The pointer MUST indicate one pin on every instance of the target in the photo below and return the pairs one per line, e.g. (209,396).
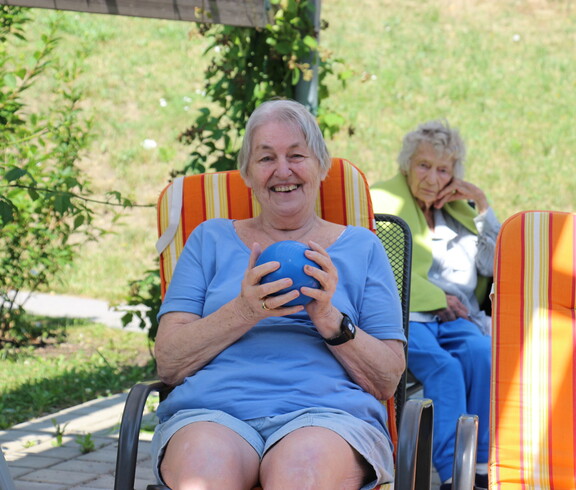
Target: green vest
(394,197)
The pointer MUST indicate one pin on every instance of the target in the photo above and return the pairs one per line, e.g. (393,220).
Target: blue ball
(292,260)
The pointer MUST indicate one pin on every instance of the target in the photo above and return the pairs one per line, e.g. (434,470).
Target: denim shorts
(262,433)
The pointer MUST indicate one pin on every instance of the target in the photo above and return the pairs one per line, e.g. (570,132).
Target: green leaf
(333,119)
(295,76)
(345,75)
(14,174)
(6,213)
(78,221)
(310,42)
(10,80)
(33,194)
(61,203)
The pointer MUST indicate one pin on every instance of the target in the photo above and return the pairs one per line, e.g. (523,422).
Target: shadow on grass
(34,399)
(32,331)
(59,372)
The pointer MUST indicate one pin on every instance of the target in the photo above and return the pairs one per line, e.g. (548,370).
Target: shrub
(249,66)
(41,221)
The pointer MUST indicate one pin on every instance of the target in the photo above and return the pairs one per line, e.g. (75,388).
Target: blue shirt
(281,364)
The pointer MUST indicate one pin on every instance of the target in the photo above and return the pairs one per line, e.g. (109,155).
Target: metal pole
(306,92)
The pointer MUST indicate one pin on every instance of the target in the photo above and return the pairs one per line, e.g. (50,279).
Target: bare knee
(206,455)
(314,458)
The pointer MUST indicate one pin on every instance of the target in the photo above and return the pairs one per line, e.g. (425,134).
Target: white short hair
(291,112)
(440,135)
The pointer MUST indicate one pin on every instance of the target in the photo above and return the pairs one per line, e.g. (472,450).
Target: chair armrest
(464,469)
(129,433)
(414,458)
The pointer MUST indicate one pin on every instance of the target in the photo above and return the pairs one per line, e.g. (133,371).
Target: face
(282,171)
(429,172)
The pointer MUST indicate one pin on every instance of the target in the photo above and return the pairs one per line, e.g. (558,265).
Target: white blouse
(458,256)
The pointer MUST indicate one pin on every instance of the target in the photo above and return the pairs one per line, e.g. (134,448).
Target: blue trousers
(452,360)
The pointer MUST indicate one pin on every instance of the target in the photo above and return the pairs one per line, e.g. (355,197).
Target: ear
(247,180)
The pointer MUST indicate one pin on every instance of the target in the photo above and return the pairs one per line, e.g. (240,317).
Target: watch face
(347,332)
(348,327)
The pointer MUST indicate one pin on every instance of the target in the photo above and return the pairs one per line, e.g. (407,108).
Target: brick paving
(35,462)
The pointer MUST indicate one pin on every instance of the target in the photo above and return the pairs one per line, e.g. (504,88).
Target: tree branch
(127,203)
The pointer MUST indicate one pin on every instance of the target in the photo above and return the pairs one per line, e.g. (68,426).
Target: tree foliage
(249,66)
(43,217)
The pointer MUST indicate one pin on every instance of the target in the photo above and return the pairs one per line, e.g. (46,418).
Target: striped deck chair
(533,396)
(188,201)
(224,195)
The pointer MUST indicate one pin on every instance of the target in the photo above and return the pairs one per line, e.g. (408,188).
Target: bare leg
(313,458)
(206,455)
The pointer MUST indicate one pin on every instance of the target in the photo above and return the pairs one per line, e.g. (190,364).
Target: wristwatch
(347,332)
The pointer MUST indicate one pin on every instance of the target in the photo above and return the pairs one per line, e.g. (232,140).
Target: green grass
(502,71)
(78,362)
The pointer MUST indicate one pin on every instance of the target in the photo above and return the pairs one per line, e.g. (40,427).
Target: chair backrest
(395,235)
(533,392)
(344,198)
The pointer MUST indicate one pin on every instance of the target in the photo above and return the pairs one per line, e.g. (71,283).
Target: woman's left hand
(321,311)
(459,189)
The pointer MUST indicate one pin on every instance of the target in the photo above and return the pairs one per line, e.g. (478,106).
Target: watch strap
(347,332)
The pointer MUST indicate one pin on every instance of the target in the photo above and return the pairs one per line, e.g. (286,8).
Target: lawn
(502,72)
(73,362)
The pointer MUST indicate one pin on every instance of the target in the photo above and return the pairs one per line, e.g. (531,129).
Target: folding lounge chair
(533,391)
(344,199)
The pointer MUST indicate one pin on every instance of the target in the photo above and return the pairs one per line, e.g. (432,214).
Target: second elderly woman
(449,347)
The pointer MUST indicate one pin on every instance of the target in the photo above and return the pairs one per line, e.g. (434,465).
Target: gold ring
(264,307)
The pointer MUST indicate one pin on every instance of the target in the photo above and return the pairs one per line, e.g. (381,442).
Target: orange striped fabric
(533,392)
(344,198)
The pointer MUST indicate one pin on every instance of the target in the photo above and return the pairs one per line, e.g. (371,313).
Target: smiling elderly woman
(284,396)
(448,347)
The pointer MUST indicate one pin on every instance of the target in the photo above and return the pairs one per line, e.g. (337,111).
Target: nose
(283,168)
(432,177)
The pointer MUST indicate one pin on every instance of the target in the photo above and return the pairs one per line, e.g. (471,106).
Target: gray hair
(440,135)
(291,112)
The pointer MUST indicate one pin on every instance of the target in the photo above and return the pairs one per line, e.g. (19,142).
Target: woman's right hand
(255,301)
(455,309)
(458,189)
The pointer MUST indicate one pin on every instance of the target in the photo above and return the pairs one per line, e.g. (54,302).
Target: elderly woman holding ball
(265,393)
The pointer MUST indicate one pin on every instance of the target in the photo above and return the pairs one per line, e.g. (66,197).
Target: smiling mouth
(284,188)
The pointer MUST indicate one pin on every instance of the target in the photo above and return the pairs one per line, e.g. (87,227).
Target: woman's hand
(186,342)
(254,301)
(455,309)
(459,189)
(322,312)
